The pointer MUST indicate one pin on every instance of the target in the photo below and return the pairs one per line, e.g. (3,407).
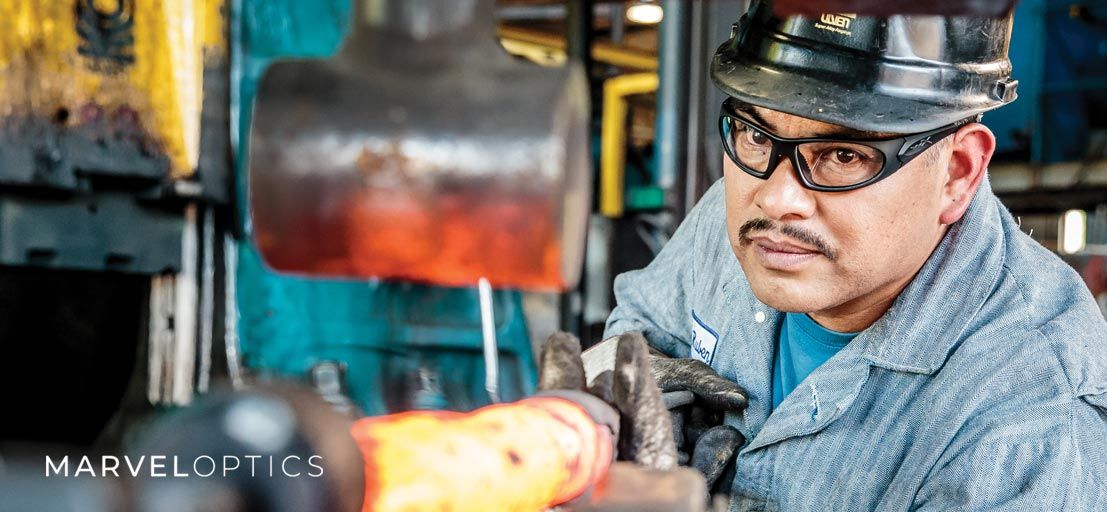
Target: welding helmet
(900,74)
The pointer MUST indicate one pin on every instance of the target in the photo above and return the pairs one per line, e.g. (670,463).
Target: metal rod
(185,318)
(578,32)
(491,350)
(698,50)
(720,16)
(160,339)
(207,298)
(230,316)
(578,35)
(672,107)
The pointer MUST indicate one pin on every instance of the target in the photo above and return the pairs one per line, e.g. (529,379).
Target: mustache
(797,233)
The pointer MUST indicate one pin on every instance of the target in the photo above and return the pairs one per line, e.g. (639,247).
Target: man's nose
(782,196)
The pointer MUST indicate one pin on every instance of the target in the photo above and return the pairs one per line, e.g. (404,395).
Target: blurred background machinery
(113,173)
(132,279)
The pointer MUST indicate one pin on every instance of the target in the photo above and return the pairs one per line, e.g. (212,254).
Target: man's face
(833,253)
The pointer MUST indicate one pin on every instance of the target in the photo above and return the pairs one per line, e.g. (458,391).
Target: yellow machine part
(145,56)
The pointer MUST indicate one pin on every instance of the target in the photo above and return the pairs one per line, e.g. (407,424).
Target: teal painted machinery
(398,346)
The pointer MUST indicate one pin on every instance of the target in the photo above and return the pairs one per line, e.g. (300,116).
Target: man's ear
(972,148)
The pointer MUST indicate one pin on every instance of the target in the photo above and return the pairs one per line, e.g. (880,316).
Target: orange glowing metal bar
(523,456)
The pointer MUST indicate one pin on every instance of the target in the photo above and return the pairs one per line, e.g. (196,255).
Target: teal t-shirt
(802,346)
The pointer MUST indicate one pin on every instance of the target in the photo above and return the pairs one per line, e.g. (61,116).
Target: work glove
(698,399)
(561,374)
(644,433)
(623,376)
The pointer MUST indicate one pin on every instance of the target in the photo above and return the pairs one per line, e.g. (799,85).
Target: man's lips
(782,256)
(771,245)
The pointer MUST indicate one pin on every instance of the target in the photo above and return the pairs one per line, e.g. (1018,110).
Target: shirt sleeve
(1032,465)
(655,300)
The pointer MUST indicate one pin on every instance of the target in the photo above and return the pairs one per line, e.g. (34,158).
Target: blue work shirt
(983,387)
(802,346)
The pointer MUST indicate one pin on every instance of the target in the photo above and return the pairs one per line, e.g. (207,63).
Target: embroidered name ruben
(704,340)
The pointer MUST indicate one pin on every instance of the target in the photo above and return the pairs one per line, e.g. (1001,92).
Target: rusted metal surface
(104,86)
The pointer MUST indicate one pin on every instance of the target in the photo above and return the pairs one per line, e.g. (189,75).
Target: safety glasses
(823,164)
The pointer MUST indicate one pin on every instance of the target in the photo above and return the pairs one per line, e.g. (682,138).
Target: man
(904,345)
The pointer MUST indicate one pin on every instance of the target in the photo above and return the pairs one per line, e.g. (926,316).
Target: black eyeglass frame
(897,151)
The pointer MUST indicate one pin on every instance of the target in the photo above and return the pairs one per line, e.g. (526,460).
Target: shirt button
(759,317)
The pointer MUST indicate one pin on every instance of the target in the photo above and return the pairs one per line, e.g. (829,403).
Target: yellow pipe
(613,136)
(602,52)
(616,56)
(535,52)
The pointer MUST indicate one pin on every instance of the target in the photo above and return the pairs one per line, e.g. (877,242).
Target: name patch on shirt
(704,340)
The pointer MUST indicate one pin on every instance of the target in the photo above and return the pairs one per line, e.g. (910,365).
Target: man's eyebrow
(839,132)
(748,109)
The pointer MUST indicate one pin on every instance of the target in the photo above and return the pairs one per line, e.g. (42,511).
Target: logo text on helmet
(836,22)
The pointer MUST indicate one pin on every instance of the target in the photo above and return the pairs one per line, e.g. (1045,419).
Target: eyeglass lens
(825,163)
